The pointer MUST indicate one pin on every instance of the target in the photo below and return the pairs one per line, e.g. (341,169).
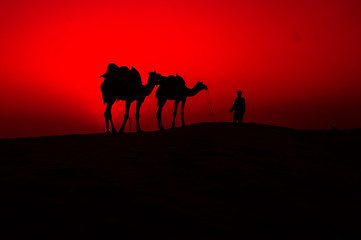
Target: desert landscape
(202,181)
(86,87)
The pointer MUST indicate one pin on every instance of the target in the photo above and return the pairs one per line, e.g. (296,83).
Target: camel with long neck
(125,84)
(178,94)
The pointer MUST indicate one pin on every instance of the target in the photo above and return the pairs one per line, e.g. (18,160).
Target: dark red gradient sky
(298,63)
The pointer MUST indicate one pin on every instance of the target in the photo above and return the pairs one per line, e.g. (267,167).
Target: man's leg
(235,119)
(240,120)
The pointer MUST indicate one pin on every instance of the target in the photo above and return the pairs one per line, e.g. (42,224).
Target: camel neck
(148,88)
(193,91)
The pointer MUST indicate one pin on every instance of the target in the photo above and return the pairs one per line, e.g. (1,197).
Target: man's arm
(233,107)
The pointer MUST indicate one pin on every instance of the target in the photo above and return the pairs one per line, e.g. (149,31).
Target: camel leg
(159,113)
(126,115)
(176,102)
(139,104)
(108,117)
(182,111)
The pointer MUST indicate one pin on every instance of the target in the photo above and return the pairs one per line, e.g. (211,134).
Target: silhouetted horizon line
(247,124)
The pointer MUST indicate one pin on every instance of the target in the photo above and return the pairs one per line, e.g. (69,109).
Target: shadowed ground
(204,181)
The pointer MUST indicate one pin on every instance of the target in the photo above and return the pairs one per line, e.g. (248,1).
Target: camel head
(154,78)
(201,86)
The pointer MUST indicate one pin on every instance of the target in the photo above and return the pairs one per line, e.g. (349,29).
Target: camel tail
(104,100)
(104,96)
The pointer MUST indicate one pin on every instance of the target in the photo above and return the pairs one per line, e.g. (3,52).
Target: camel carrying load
(118,80)
(174,88)
(122,83)
(172,81)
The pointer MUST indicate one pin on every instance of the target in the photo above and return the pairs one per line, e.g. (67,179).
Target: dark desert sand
(204,181)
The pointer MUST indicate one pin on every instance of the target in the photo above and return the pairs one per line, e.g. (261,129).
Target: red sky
(298,63)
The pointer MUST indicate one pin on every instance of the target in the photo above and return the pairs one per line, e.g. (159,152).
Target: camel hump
(130,76)
(124,69)
(112,68)
(123,73)
(121,79)
(112,72)
(135,77)
(115,71)
(172,81)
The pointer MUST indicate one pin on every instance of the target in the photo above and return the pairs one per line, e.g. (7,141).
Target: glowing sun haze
(298,63)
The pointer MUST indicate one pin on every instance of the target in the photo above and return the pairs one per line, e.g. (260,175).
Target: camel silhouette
(122,83)
(174,88)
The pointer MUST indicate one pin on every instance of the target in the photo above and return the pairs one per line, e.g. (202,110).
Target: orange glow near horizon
(297,63)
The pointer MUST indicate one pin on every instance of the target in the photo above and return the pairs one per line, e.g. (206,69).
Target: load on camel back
(172,81)
(118,81)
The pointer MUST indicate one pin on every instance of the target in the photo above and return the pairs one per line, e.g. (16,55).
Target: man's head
(239,93)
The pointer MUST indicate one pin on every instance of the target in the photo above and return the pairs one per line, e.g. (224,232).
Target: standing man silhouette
(239,107)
